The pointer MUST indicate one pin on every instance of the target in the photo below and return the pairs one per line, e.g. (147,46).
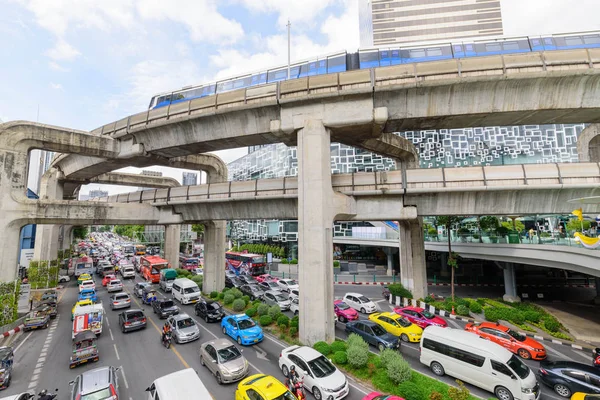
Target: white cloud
(57,67)
(56,86)
(63,51)
(296,11)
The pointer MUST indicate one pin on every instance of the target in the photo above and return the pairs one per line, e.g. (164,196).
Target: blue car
(88,294)
(242,328)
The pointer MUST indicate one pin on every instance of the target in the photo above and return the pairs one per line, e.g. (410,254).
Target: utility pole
(289,26)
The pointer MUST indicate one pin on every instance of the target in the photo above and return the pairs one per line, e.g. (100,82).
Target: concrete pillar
(389,252)
(172,239)
(413,271)
(214,256)
(445,272)
(510,284)
(67,237)
(46,240)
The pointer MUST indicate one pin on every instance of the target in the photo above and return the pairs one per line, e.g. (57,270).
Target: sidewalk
(582,321)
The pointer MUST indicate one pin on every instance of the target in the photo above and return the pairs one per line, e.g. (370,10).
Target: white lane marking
(124,379)
(32,385)
(111,335)
(43,354)
(23,342)
(558,353)
(206,329)
(42,359)
(37,370)
(586,357)
(379,301)
(116,352)
(107,323)
(35,377)
(454,324)
(359,389)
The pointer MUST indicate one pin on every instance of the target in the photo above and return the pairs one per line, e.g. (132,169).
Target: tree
(575,225)
(489,223)
(448,221)
(199,229)
(129,230)
(519,226)
(80,232)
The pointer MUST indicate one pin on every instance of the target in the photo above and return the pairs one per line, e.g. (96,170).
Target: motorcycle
(297,388)
(596,357)
(44,395)
(166,340)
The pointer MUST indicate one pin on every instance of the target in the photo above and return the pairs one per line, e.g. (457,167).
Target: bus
(129,250)
(245,263)
(151,266)
(84,265)
(188,262)
(140,250)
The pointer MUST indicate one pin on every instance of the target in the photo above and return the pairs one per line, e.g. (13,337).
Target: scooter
(44,395)
(297,389)
(166,340)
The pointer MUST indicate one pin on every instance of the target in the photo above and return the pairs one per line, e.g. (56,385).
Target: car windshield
(246,324)
(292,282)
(403,322)
(280,297)
(321,367)
(135,315)
(516,335)
(287,395)
(363,299)
(427,314)
(185,323)
(121,297)
(191,290)
(228,354)
(378,331)
(343,306)
(99,395)
(518,367)
(167,304)
(214,306)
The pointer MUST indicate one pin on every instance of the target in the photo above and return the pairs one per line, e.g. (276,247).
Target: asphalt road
(41,357)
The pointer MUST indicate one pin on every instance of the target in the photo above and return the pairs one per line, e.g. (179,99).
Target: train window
(277,75)
(312,68)
(573,41)
(458,48)
(434,52)
(396,59)
(416,53)
(368,59)
(242,82)
(296,71)
(259,79)
(591,39)
(510,46)
(536,42)
(336,64)
(493,47)
(384,57)
(321,67)
(469,47)
(548,41)
(224,86)
(208,90)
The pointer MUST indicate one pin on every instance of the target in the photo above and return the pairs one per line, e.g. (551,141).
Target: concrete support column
(510,283)
(46,240)
(445,272)
(67,237)
(214,256)
(413,271)
(172,239)
(390,261)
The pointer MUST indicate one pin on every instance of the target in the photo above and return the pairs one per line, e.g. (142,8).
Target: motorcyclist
(166,330)
(596,357)
(292,378)
(44,395)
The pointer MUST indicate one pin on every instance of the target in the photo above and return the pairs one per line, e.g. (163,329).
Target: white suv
(319,375)
(360,303)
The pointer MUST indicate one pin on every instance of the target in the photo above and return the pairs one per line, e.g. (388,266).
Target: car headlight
(539,350)
(413,334)
(527,390)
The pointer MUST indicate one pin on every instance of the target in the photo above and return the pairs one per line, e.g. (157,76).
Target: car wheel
(285,371)
(524,354)
(503,393)
(239,340)
(202,361)
(437,369)
(562,390)
(224,331)
(317,393)
(362,310)
(404,337)
(206,318)
(123,328)
(219,379)
(197,313)
(296,312)
(381,347)
(343,319)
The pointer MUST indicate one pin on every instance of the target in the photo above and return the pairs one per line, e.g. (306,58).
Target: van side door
(502,375)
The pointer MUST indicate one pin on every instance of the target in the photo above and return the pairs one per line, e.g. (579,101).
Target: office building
(189,178)
(388,22)
(98,193)
(149,173)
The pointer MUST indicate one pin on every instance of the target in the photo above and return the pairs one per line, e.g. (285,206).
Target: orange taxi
(515,342)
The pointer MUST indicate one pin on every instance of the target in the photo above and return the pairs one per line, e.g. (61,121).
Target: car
(114,285)
(295,306)
(223,360)
(164,308)
(276,298)
(373,334)
(287,284)
(266,278)
(319,375)
(138,288)
(184,328)
(120,300)
(263,387)
(360,303)
(233,282)
(107,278)
(132,320)
(80,303)
(398,326)
(83,277)
(525,347)
(567,377)
(247,279)
(98,383)
(88,294)
(230,274)
(197,271)
(242,329)
(64,278)
(380,396)
(210,310)
(294,293)
(127,272)
(253,291)
(420,316)
(269,285)
(344,312)
(87,285)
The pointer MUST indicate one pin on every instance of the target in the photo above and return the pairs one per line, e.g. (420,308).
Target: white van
(184,384)
(465,356)
(185,291)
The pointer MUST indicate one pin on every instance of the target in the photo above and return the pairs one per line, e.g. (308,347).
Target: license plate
(342,394)
(193,301)
(83,361)
(34,327)
(255,340)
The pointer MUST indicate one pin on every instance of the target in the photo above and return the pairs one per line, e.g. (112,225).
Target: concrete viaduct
(359,108)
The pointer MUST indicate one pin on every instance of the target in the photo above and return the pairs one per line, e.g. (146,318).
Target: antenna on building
(38,114)
(289,26)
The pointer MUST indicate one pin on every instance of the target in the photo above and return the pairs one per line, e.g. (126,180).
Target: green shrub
(265,320)
(532,316)
(294,261)
(410,391)
(274,312)
(481,302)
(225,290)
(437,396)
(339,357)
(257,302)
(294,330)
(182,273)
(285,261)
(398,290)
(388,355)
(283,320)
(338,345)
(294,324)
(398,370)
(263,309)
(228,299)
(492,314)
(354,340)
(221,296)
(237,293)
(322,347)
(475,307)
(462,310)
(428,299)
(517,317)
(552,325)
(246,299)
(336,264)
(459,393)
(251,312)
(282,328)
(214,295)
(358,351)
(239,305)
(198,279)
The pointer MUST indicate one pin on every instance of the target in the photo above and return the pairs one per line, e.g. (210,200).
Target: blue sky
(85,63)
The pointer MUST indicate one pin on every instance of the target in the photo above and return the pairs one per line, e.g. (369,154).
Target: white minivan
(184,384)
(185,291)
(470,358)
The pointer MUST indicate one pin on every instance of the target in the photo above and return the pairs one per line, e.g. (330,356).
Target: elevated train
(372,58)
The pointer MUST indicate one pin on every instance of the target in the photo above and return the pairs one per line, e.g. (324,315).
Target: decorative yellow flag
(578,213)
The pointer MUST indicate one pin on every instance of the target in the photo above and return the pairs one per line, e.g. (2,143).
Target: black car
(247,279)
(164,308)
(373,334)
(210,310)
(131,320)
(233,282)
(567,377)
(253,291)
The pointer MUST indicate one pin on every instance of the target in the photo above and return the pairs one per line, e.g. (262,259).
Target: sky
(84,63)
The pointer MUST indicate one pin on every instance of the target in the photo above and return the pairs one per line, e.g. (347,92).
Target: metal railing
(553,239)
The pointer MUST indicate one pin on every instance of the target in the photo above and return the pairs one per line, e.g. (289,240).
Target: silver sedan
(120,300)
(223,360)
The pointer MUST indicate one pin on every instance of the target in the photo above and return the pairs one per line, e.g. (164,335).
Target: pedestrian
(531,234)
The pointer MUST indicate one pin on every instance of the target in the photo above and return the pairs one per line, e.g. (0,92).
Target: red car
(379,396)
(108,278)
(265,277)
(513,341)
(420,317)
(344,312)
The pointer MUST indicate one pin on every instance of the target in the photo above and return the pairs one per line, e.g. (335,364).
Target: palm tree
(448,221)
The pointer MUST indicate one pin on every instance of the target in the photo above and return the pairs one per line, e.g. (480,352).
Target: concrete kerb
(13,327)
(405,302)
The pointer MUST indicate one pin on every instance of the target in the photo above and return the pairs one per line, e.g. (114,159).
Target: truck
(88,318)
(151,266)
(167,276)
(38,318)
(84,265)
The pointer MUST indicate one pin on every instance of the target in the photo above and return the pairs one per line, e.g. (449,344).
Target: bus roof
(244,254)
(155,260)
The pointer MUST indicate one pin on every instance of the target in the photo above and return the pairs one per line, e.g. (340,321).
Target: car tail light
(144,320)
(543,371)
(113,392)
(78,397)
(115,302)
(127,323)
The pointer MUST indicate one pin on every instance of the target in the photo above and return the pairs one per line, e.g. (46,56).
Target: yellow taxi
(585,396)
(261,386)
(83,277)
(397,325)
(86,302)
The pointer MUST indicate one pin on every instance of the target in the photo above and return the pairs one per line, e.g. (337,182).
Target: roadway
(41,357)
